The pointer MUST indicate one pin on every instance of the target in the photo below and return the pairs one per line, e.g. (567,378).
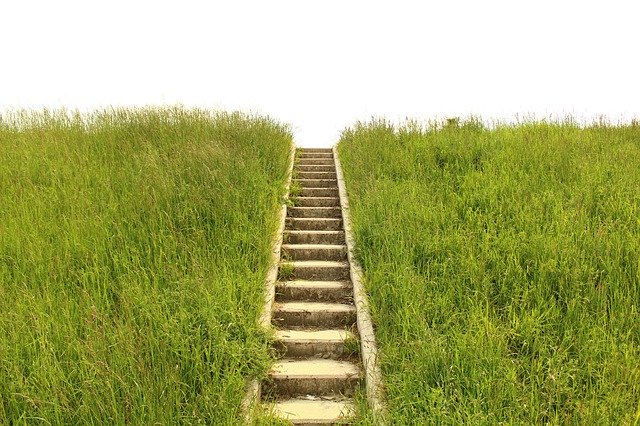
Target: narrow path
(315,318)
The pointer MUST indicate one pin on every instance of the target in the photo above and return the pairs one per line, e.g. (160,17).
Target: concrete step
(313,237)
(290,377)
(314,291)
(314,149)
(317,201)
(315,175)
(317,183)
(318,192)
(309,410)
(314,167)
(314,270)
(313,224)
(314,212)
(326,344)
(315,161)
(313,314)
(314,252)
(315,154)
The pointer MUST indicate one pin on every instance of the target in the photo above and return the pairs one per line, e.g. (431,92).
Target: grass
(503,268)
(133,250)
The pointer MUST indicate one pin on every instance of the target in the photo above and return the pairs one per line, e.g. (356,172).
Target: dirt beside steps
(316,376)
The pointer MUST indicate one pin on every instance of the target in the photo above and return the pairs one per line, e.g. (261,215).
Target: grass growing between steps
(133,250)
(503,269)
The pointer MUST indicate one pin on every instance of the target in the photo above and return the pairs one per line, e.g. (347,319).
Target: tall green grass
(133,250)
(503,269)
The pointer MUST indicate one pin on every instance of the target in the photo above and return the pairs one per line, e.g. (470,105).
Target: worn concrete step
(317,201)
(316,175)
(318,192)
(314,167)
(313,237)
(310,410)
(315,154)
(314,212)
(314,270)
(327,344)
(317,183)
(314,149)
(314,252)
(313,314)
(291,377)
(315,161)
(313,224)
(314,291)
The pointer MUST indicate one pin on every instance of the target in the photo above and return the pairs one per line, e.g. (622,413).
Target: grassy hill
(503,268)
(133,251)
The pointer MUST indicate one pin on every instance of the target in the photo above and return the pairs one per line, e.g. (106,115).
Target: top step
(315,149)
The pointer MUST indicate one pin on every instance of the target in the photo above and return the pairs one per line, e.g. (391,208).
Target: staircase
(314,380)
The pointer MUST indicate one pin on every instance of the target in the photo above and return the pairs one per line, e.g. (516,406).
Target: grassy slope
(503,269)
(133,250)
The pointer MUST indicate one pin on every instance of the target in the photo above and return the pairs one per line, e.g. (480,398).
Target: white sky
(320,66)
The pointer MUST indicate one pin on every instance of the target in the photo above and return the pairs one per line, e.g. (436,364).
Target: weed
(295,190)
(352,347)
(285,271)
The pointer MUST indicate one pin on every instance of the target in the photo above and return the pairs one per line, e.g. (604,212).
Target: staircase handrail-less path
(317,305)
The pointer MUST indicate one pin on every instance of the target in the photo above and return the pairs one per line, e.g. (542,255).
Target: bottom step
(314,410)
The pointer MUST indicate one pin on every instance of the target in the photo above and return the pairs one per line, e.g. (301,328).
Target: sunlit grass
(133,250)
(503,269)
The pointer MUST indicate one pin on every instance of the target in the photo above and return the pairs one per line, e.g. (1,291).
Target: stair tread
(316,207)
(304,198)
(313,246)
(314,410)
(313,368)
(313,307)
(314,212)
(329,335)
(312,283)
(322,219)
(312,231)
(315,263)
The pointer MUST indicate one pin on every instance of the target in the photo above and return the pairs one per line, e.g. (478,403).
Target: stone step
(314,252)
(315,161)
(291,377)
(314,212)
(315,154)
(314,167)
(315,175)
(317,201)
(317,183)
(313,237)
(314,270)
(326,344)
(314,149)
(313,314)
(314,291)
(318,192)
(307,411)
(313,224)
